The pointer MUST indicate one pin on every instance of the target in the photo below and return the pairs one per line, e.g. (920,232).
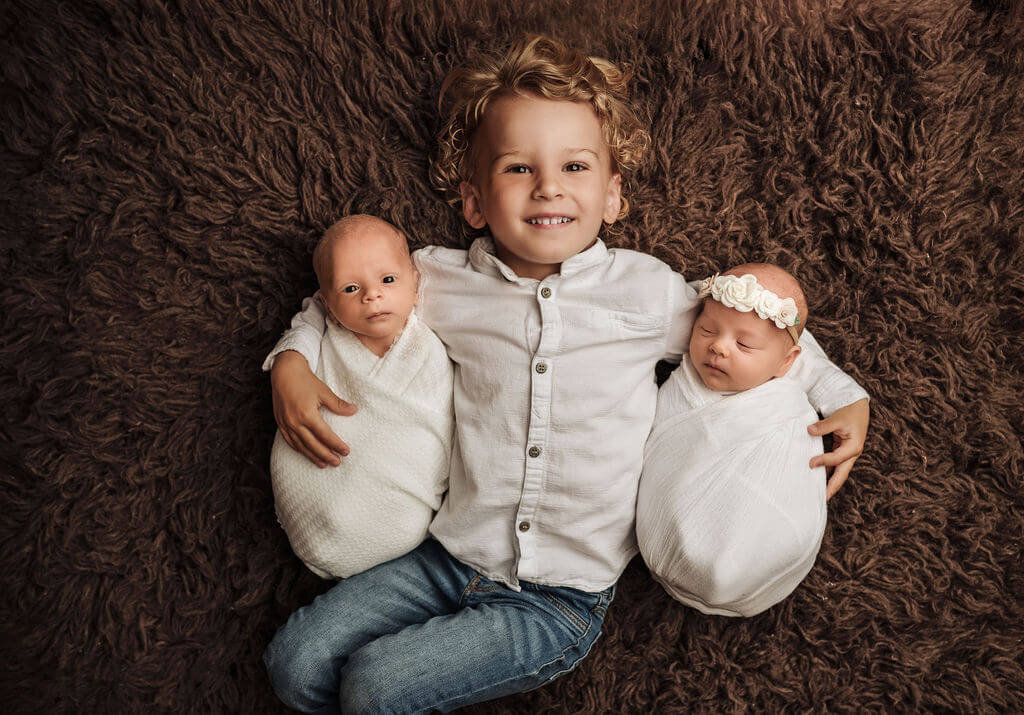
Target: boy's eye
(350,289)
(576,166)
(517,169)
(388,279)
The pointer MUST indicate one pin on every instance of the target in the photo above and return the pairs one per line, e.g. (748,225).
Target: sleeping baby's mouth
(715,368)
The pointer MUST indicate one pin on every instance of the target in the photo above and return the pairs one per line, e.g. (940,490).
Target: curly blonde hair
(534,65)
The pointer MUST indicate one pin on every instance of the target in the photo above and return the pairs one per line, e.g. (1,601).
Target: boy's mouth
(549,220)
(378,316)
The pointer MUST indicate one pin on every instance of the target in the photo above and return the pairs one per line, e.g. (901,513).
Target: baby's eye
(576,166)
(388,279)
(706,331)
(745,346)
(350,289)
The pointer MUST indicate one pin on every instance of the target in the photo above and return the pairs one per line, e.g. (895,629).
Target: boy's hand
(849,428)
(298,397)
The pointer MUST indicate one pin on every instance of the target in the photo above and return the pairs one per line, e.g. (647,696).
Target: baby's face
(734,351)
(371,286)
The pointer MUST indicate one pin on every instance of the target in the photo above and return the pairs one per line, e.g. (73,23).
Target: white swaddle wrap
(378,503)
(729,516)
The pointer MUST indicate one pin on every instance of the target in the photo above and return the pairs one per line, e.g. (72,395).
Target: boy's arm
(682,311)
(841,400)
(299,394)
(304,336)
(828,388)
(849,429)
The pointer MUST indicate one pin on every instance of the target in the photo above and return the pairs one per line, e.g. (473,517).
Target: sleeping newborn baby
(729,515)
(377,504)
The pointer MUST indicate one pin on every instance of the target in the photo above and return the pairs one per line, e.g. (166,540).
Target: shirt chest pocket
(625,325)
(581,329)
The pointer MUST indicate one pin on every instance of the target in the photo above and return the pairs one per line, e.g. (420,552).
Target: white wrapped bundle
(378,503)
(729,516)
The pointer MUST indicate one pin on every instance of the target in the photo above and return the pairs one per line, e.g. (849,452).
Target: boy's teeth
(549,221)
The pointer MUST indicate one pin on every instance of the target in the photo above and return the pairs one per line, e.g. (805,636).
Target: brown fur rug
(167,166)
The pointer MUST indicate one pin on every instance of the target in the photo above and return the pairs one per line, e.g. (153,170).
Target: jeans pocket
(579,610)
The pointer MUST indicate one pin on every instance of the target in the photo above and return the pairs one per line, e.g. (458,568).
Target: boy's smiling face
(542,181)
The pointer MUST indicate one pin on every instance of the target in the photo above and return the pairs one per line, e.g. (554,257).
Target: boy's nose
(548,186)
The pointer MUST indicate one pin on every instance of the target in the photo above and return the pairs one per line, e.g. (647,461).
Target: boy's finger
(326,437)
(337,405)
(315,450)
(843,451)
(838,477)
(287,439)
(292,441)
(829,459)
(821,427)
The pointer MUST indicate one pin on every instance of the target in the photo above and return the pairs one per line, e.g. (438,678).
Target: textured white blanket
(729,516)
(378,503)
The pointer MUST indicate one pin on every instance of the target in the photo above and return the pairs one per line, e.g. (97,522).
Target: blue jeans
(426,632)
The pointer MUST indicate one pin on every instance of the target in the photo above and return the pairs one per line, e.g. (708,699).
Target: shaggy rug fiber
(167,166)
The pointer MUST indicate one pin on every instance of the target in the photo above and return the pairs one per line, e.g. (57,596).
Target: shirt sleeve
(682,311)
(828,388)
(308,327)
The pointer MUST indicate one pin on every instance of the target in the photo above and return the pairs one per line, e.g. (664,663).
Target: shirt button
(534,452)
(542,367)
(545,292)
(524,526)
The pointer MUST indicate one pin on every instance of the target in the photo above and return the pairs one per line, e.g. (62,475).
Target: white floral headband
(745,294)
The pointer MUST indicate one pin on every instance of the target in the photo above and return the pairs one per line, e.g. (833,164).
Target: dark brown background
(167,166)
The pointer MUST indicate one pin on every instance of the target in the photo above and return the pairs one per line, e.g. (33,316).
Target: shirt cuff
(832,395)
(289,342)
(304,336)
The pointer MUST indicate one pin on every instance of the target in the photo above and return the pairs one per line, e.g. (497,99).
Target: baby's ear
(787,362)
(471,209)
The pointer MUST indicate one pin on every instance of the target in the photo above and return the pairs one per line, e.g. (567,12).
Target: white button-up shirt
(554,399)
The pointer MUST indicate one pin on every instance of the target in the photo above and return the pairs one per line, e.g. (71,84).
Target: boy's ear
(416,295)
(471,209)
(613,200)
(788,361)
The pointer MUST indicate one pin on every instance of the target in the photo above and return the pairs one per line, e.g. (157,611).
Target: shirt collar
(482,257)
(585,259)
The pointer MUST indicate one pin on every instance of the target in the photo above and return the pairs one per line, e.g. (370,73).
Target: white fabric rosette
(741,294)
